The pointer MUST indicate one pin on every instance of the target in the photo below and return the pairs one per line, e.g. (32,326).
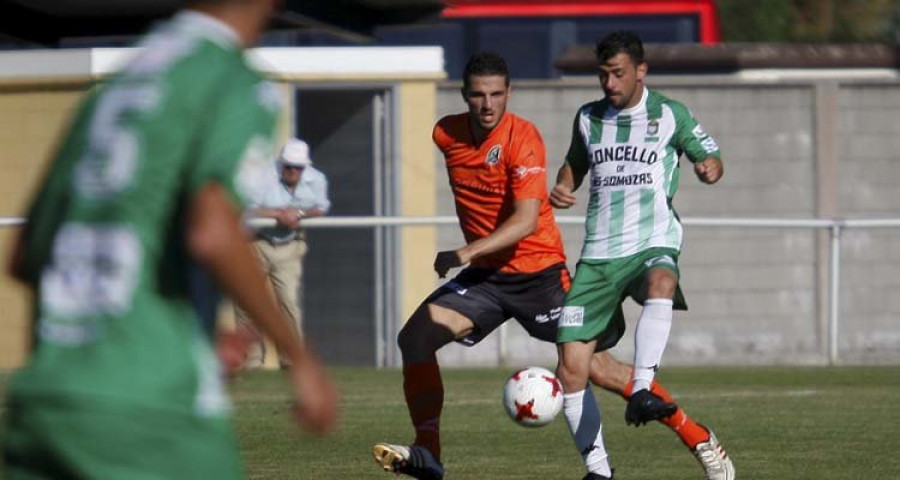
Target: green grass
(777,423)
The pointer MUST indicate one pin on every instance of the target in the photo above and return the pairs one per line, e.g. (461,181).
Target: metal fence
(835,229)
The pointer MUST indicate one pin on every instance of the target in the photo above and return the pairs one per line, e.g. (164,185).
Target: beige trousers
(283,265)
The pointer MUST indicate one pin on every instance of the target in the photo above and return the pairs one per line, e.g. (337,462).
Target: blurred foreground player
(123,381)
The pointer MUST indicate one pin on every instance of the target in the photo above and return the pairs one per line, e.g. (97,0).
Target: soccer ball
(533,397)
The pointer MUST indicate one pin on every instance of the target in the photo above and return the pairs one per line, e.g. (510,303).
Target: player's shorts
(488,298)
(62,438)
(593,307)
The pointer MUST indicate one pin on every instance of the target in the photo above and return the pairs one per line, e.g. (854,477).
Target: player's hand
(444,261)
(288,217)
(561,196)
(318,401)
(709,170)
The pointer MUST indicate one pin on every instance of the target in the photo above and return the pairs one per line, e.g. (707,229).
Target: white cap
(295,153)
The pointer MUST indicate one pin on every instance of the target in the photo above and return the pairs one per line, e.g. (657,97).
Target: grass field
(777,423)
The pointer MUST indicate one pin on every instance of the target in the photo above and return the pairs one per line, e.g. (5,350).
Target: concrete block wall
(756,296)
(868,173)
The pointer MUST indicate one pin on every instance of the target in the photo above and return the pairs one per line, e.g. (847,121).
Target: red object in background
(705,10)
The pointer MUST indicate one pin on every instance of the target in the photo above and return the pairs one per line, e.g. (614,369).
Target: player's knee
(409,339)
(571,373)
(421,337)
(661,284)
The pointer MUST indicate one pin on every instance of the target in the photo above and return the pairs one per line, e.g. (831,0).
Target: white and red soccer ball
(533,397)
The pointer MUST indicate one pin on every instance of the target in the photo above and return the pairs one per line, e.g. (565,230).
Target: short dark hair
(621,41)
(484,64)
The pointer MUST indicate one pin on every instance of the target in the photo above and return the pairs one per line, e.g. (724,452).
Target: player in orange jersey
(516,263)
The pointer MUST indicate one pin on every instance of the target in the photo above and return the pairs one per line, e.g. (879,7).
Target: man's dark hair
(484,64)
(618,42)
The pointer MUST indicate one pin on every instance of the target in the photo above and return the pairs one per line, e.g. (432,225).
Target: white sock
(650,338)
(583,418)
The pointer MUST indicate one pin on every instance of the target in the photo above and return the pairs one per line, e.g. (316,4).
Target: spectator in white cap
(302,192)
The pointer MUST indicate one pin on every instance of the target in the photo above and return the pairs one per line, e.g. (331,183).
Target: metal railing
(834,226)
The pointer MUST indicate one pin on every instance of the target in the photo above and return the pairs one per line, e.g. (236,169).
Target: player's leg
(580,407)
(653,282)
(612,375)
(447,315)
(652,330)
(430,328)
(588,319)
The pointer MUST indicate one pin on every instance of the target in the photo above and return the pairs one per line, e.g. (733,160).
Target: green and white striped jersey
(632,155)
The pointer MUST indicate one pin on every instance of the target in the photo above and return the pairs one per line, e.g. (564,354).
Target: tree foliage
(813,21)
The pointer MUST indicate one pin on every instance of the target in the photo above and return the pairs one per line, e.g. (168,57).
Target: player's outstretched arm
(710,170)
(217,240)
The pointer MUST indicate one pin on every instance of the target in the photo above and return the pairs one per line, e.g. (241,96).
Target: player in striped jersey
(630,142)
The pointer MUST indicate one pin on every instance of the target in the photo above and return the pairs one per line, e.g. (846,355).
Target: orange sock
(687,430)
(425,399)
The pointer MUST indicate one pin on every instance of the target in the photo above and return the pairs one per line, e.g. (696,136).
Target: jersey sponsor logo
(708,143)
(664,260)
(478,185)
(551,316)
(493,156)
(456,287)
(523,171)
(625,153)
(571,317)
(636,179)
(699,132)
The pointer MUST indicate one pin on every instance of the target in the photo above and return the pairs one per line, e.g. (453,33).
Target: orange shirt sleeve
(439,137)
(527,164)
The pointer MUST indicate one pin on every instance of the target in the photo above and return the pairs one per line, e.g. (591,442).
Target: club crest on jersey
(493,156)
(652,128)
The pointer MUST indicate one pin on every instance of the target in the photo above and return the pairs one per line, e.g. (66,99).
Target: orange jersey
(487,179)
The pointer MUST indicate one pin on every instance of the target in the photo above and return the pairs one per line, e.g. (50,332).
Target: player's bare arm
(522,223)
(710,170)
(217,240)
(567,181)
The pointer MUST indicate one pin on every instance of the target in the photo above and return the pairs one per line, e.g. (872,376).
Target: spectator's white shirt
(311,193)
